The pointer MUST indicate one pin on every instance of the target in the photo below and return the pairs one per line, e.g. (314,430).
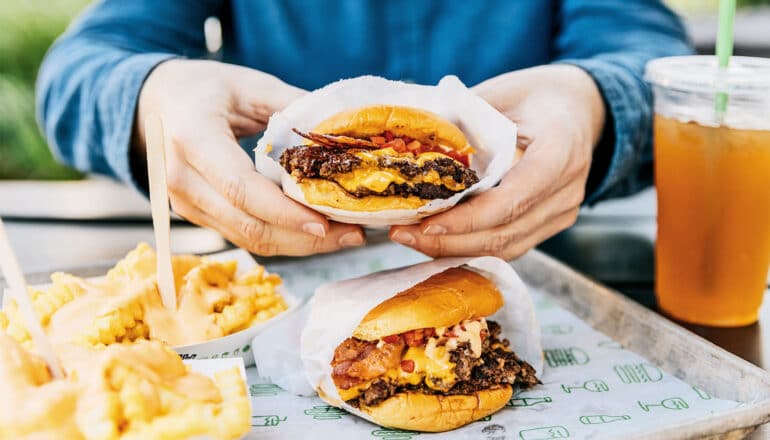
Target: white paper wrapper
(491,134)
(336,309)
(235,345)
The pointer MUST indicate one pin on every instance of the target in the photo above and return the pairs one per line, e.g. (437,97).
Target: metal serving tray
(669,346)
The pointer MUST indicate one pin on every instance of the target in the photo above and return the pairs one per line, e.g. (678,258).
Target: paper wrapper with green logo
(337,308)
(491,134)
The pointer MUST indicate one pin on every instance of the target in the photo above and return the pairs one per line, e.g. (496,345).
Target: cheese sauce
(432,362)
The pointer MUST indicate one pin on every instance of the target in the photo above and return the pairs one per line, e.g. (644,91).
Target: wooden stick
(161,221)
(18,289)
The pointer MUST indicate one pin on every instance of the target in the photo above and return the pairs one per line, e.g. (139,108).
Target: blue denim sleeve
(89,82)
(612,40)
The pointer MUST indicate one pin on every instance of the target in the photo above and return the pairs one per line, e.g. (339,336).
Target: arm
(89,82)
(591,105)
(612,40)
(104,76)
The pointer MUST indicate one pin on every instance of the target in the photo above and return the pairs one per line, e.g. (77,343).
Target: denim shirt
(90,80)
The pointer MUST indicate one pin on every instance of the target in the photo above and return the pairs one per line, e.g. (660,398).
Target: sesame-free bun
(436,413)
(442,300)
(422,125)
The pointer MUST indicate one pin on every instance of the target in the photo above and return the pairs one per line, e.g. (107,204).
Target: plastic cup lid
(701,73)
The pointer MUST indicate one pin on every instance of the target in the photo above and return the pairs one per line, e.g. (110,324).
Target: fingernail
(316,229)
(351,239)
(404,237)
(434,230)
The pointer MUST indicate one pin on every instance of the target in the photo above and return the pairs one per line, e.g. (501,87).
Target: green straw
(724,52)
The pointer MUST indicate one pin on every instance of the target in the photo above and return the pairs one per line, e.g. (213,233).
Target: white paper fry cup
(235,345)
(488,131)
(336,309)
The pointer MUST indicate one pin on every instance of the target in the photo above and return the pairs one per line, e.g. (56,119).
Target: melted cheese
(375,178)
(471,334)
(431,363)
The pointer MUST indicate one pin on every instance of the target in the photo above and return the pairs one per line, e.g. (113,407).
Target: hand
(205,106)
(560,116)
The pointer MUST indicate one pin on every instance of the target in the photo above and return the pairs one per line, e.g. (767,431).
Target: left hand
(560,116)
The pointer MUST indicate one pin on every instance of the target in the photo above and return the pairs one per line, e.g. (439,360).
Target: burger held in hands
(378,153)
(381,157)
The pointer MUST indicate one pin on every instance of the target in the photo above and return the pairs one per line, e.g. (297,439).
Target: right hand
(205,106)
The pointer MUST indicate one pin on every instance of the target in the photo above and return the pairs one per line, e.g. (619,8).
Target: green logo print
(394,434)
(266,420)
(703,394)
(610,344)
(675,403)
(593,385)
(638,373)
(544,303)
(546,433)
(557,329)
(563,357)
(528,401)
(325,412)
(264,389)
(598,419)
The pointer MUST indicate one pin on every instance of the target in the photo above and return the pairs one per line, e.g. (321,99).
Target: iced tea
(713,245)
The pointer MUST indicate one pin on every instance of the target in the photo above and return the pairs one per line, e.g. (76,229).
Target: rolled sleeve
(612,40)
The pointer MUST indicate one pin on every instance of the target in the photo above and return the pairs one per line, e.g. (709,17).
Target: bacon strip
(331,141)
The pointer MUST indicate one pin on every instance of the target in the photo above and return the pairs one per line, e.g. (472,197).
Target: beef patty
(496,366)
(324,163)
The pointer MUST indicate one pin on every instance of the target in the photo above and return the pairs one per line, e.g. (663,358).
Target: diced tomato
(484,334)
(450,334)
(407,365)
(392,339)
(396,144)
(428,332)
(378,140)
(407,139)
(388,136)
(414,147)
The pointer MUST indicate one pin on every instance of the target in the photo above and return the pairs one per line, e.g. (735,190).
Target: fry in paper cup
(415,150)
(419,348)
(224,300)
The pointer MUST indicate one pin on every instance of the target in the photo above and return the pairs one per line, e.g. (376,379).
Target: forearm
(89,82)
(86,96)
(622,38)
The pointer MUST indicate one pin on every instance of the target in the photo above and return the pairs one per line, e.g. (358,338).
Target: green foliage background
(27,29)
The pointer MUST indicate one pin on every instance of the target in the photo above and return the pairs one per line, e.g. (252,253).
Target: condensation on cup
(712,174)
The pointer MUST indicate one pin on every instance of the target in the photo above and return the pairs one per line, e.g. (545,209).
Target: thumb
(258,95)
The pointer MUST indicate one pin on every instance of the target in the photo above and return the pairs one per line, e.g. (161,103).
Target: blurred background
(30,26)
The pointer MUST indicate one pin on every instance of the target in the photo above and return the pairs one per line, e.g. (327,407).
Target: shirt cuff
(626,137)
(117,110)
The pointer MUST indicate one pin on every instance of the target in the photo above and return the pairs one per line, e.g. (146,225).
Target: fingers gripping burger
(427,359)
(381,157)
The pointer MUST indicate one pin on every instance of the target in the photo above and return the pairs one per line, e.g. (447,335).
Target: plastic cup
(712,174)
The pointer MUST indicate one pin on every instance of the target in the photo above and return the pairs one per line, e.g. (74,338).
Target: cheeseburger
(428,359)
(381,157)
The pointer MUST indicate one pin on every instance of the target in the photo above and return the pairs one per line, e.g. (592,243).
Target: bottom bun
(436,413)
(328,193)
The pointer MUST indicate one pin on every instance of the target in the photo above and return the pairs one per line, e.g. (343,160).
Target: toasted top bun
(422,125)
(442,300)
(436,413)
